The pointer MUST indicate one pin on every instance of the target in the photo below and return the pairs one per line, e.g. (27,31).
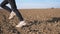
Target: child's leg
(3,5)
(14,8)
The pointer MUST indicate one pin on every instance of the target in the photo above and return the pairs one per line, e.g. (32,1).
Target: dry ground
(40,21)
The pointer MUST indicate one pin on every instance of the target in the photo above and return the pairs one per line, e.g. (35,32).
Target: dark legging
(13,8)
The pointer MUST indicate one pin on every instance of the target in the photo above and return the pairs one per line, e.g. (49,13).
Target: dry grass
(40,21)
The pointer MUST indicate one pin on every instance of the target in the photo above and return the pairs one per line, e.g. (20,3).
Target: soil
(39,21)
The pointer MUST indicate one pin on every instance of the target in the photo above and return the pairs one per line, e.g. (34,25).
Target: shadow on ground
(54,19)
(36,22)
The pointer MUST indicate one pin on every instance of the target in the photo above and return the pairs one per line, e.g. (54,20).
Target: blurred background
(38,4)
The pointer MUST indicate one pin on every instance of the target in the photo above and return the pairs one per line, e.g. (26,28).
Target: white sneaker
(22,23)
(12,14)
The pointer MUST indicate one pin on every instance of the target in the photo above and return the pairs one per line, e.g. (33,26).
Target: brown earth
(40,21)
